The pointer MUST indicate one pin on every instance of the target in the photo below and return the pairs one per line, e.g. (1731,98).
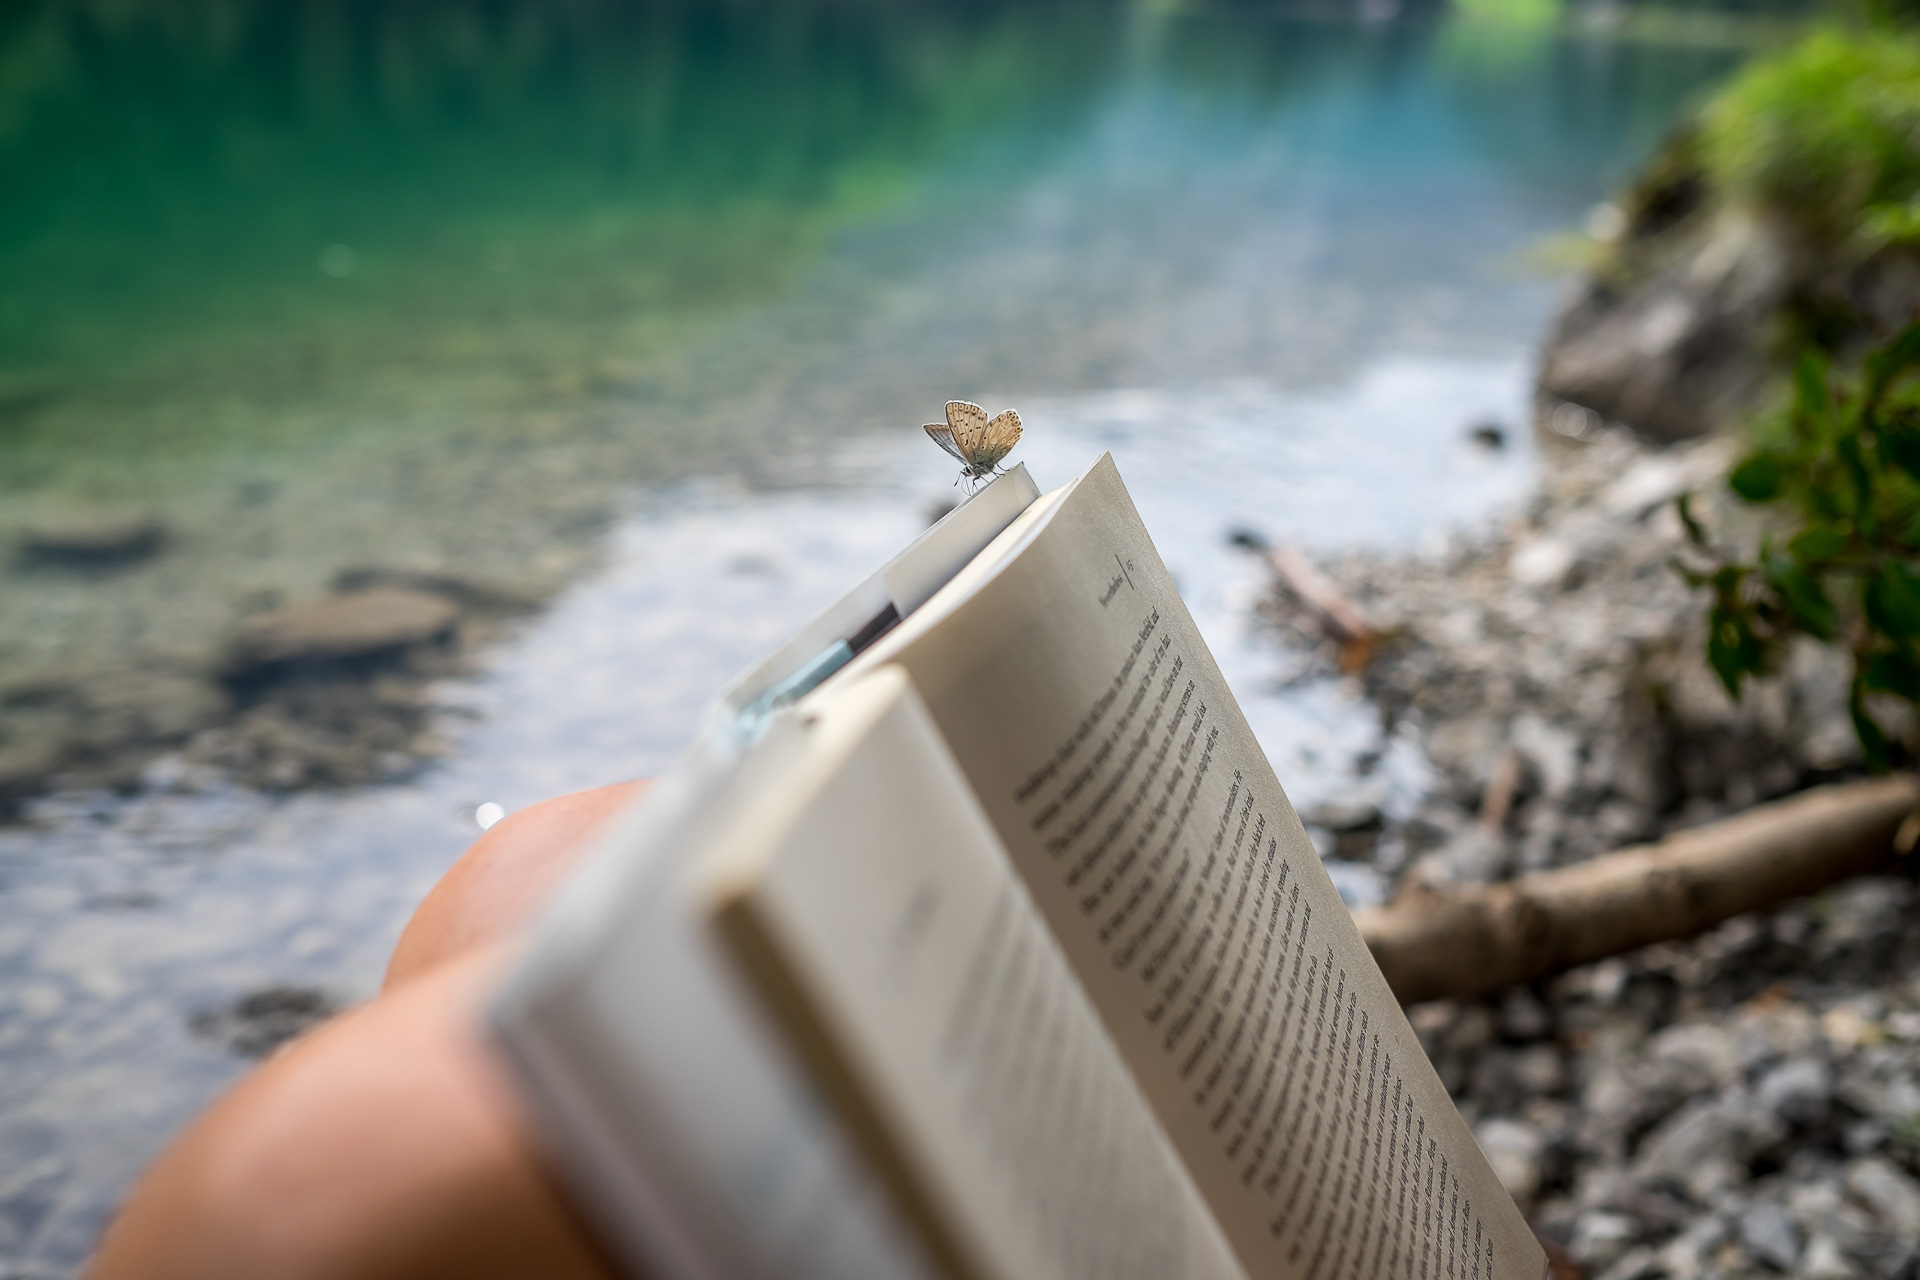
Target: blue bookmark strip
(753,716)
(795,687)
(808,678)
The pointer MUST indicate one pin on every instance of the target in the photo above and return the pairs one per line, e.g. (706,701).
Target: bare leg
(387,1143)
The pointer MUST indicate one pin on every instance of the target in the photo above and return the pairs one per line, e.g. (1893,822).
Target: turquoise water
(642,303)
(237,226)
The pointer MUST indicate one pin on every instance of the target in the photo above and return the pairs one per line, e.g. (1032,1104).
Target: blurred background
(410,411)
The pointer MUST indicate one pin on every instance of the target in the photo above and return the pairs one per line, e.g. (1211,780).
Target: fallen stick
(1339,619)
(1501,784)
(1463,942)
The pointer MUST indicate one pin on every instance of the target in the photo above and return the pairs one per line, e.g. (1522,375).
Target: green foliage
(1842,464)
(1522,13)
(1827,134)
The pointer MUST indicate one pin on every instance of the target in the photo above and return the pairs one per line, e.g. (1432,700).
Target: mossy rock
(1770,222)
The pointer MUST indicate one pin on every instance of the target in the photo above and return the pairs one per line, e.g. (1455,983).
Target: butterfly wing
(996,440)
(968,422)
(942,435)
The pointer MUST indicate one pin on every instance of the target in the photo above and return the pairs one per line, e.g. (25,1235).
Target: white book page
(868,899)
(1103,743)
(699,1146)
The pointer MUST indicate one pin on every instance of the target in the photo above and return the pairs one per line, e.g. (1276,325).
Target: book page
(701,1149)
(868,899)
(1078,697)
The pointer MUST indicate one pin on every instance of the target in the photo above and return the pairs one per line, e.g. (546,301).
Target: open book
(975,937)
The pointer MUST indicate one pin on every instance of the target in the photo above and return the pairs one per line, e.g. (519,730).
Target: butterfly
(979,444)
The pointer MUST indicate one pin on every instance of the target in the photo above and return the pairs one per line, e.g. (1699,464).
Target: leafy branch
(1842,465)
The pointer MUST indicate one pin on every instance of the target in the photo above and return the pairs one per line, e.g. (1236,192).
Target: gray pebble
(1768,1234)
(1892,1195)
(1798,1091)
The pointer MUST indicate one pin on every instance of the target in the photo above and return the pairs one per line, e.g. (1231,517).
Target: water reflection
(464,286)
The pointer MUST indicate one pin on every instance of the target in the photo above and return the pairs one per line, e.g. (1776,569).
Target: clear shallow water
(1276,268)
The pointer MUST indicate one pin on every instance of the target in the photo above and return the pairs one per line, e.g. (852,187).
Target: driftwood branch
(1462,942)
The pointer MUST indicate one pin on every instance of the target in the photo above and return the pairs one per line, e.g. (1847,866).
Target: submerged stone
(261,1021)
(355,627)
(92,537)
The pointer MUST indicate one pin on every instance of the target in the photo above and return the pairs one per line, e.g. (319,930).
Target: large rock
(1683,350)
(1690,324)
(356,627)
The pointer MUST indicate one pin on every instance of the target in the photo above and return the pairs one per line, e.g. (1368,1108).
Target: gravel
(1741,1104)
(1552,672)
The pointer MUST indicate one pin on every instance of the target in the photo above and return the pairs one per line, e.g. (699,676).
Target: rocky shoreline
(1745,1103)
(1553,671)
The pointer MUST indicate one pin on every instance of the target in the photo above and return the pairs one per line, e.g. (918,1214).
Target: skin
(388,1142)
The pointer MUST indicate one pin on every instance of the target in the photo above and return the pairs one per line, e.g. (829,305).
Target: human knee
(504,877)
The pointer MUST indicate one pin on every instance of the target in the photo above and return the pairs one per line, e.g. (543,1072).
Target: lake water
(643,304)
